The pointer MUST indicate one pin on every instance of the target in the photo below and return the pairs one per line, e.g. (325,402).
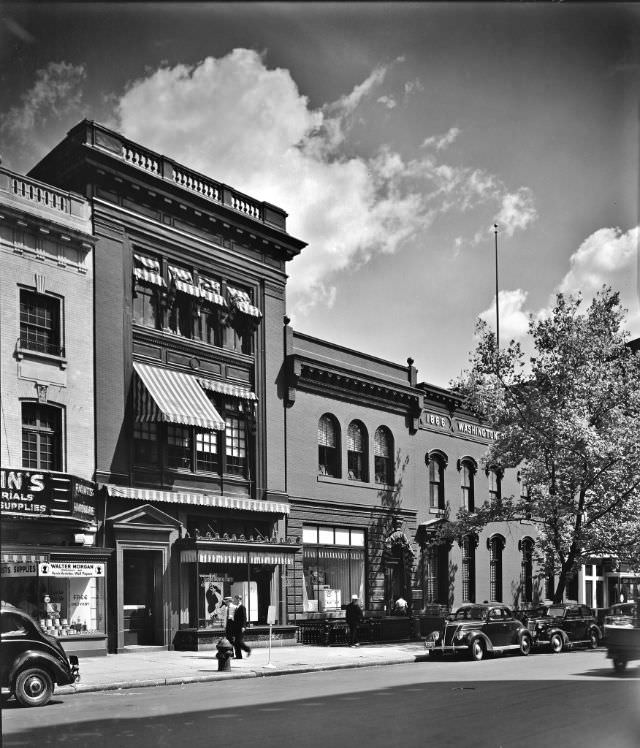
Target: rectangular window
(207,326)
(206,451)
(145,307)
(181,315)
(235,445)
(40,323)
(145,443)
(41,437)
(333,566)
(178,447)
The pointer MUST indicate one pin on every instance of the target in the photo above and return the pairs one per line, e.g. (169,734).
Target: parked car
(478,630)
(563,625)
(32,663)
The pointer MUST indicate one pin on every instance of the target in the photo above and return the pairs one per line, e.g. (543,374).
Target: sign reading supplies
(70,569)
(48,494)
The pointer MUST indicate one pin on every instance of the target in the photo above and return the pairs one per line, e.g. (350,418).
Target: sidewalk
(145,668)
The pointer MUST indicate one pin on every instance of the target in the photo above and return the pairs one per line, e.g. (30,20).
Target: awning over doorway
(200,499)
(174,397)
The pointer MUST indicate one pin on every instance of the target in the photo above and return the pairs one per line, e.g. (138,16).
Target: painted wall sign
(41,493)
(430,420)
(473,429)
(70,569)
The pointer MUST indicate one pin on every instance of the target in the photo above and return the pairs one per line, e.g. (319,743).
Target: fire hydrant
(224,654)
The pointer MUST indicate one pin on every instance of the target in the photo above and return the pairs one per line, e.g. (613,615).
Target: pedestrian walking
(354,616)
(239,626)
(228,619)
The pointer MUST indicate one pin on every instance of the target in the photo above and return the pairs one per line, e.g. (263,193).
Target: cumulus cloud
(248,125)
(56,93)
(609,256)
(514,318)
(517,211)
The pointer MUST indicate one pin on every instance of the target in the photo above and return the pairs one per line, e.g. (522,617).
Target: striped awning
(147,269)
(174,397)
(183,281)
(199,499)
(224,556)
(241,302)
(210,290)
(23,558)
(232,390)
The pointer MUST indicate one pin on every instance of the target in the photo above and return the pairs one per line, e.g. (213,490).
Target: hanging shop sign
(45,494)
(70,569)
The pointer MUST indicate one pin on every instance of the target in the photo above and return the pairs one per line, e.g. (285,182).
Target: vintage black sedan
(31,662)
(563,625)
(479,630)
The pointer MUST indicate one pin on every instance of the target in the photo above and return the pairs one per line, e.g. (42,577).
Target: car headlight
(435,635)
(460,635)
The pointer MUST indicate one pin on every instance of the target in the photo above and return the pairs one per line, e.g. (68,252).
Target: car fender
(32,658)
(477,634)
(557,630)
(599,631)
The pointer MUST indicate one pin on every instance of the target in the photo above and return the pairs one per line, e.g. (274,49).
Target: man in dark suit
(239,626)
(354,615)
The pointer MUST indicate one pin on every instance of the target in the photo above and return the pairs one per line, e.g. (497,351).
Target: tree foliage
(568,417)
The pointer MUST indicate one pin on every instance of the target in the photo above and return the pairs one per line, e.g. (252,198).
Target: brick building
(49,520)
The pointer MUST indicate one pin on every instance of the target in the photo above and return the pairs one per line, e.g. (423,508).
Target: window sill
(355,483)
(22,353)
(437,512)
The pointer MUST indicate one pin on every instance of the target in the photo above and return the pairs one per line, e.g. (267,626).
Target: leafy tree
(568,417)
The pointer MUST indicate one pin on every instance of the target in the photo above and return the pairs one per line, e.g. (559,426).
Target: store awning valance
(174,397)
(232,390)
(243,503)
(224,556)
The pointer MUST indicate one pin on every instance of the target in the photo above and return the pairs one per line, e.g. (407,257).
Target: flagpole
(495,234)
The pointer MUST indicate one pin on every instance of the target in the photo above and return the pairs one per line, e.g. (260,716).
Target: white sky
(394,135)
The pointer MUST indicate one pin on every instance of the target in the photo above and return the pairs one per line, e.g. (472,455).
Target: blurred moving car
(32,663)
(562,625)
(478,630)
(622,634)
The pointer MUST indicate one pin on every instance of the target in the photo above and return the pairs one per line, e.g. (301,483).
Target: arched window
(468,468)
(357,450)
(495,546)
(41,437)
(328,446)
(437,464)
(383,456)
(469,544)
(526,569)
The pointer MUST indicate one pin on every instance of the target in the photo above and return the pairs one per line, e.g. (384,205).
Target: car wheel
(476,650)
(556,643)
(594,640)
(33,687)
(525,645)
(619,664)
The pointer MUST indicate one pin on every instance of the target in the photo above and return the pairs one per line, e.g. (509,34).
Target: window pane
(40,323)
(235,445)
(41,437)
(178,447)
(357,538)
(145,444)
(326,432)
(309,534)
(206,450)
(325,535)
(342,537)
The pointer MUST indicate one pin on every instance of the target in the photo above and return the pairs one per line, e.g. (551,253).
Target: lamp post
(495,235)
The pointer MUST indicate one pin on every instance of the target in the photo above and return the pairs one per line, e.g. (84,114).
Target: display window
(334,567)
(63,606)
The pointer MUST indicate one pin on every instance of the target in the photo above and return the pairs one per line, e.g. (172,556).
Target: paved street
(564,700)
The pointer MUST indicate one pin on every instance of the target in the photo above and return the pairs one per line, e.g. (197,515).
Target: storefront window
(63,606)
(334,567)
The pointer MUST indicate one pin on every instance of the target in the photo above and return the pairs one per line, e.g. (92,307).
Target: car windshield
(470,614)
(555,612)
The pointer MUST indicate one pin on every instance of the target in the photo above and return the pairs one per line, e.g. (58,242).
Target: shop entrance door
(139,596)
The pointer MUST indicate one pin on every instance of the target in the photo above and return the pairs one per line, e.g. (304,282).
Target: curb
(187,679)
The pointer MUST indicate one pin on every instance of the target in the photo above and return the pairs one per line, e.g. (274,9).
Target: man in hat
(229,616)
(353,613)
(239,626)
